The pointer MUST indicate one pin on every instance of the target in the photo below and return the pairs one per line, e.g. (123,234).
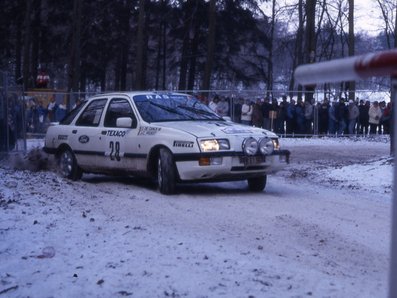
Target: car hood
(215,128)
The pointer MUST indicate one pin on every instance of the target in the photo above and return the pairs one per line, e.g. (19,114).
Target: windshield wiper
(169,109)
(202,112)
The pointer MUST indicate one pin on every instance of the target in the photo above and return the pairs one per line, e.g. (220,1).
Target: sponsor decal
(62,137)
(116,133)
(234,130)
(84,139)
(183,144)
(148,131)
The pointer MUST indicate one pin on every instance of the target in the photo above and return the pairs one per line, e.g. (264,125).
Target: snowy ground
(321,228)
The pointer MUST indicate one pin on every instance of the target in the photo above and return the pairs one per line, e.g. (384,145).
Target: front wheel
(166,172)
(68,165)
(257,183)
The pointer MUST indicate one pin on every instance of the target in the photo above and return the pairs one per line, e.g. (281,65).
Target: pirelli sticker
(183,144)
(148,131)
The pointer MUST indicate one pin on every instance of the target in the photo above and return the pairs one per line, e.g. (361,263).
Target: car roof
(134,93)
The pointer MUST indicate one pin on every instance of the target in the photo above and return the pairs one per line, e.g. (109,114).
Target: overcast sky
(367,14)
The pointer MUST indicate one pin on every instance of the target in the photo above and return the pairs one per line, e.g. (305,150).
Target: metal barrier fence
(27,114)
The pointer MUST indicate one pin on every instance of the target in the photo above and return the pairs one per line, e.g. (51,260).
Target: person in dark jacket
(332,121)
(341,115)
(282,115)
(323,117)
(363,118)
(257,116)
(300,116)
(290,117)
(266,107)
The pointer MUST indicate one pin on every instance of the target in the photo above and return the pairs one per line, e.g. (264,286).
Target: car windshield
(172,107)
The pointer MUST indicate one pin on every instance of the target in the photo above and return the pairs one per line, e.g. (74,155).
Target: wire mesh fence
(26,114)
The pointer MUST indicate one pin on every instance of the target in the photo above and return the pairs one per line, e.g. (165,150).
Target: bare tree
(389,13)
(395,27)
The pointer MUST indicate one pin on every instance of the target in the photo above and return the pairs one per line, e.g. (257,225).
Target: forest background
(86,45)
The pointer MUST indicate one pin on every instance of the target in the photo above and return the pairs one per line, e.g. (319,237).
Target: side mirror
(126,122)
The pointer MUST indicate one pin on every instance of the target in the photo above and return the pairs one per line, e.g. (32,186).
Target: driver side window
(118,108)
(92,114)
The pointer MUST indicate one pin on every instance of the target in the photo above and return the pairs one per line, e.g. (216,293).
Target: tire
(68,165)
(166,172)
(257,184)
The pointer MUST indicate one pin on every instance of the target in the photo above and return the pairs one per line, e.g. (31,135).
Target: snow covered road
(305,235)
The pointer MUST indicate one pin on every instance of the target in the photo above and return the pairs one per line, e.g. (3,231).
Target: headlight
(214,145)
(266,146)
(250,146)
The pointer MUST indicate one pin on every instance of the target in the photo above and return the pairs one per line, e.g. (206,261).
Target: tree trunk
(75,53)
(18,51)
(351,85)
(193,57)
(26,45)
(164,55)
(310,42)
(206,85)
(122,59)
(139,79)
(184,60)
(298,57)
(158,58)
(270,57)
(36,24)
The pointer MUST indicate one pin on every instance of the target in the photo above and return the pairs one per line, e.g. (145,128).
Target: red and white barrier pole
(353,69)
(348,69)
(393,250)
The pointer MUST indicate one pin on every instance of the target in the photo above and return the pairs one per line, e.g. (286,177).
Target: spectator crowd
(283,116)
(299,117)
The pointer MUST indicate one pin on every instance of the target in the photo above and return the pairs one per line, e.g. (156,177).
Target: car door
(116,141)
(86,134)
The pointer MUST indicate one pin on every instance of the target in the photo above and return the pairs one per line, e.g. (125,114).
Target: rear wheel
(68,165)
(166,172)
(257,183)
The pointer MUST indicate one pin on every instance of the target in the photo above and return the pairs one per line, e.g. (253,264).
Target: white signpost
(358,68)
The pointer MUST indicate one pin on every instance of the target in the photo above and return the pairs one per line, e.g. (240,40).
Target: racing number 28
(114,150)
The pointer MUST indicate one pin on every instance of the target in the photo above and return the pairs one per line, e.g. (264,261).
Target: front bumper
(232,166)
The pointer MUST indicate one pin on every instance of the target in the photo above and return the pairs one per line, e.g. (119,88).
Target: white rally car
(172,137)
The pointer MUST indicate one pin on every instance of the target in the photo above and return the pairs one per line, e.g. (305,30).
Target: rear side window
(91,116)
(118,107)
(72,114)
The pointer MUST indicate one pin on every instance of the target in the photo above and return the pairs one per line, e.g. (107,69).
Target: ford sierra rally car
(171,137)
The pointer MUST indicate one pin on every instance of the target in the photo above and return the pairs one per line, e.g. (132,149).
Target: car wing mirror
(126,122)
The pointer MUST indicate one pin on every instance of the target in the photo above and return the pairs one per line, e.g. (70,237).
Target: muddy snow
(321,228)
